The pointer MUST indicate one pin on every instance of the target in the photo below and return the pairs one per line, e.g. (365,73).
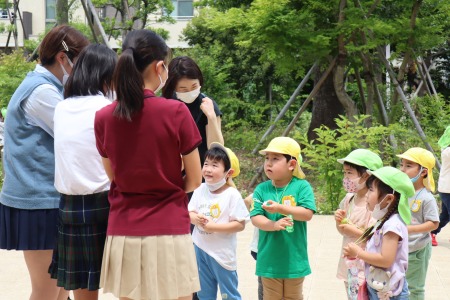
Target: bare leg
(85,294)
(63,294)
(42,285)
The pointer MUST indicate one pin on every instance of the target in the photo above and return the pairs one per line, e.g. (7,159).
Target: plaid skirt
(82,223)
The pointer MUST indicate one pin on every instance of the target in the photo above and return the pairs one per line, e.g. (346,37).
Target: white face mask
(66,75)
(189,97)
(161,85)
(217,185)
(379,213)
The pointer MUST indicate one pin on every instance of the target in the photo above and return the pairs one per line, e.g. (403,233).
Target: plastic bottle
(290,228)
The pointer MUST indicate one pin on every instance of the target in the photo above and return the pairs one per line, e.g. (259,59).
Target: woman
(184,83)
(29,202)
(143,140)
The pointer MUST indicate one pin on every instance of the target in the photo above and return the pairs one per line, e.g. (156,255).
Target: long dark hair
(140,48)
(52,43)
(181,67)
(383,190)
(92,73)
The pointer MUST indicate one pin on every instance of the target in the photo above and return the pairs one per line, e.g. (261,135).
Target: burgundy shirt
(146,195)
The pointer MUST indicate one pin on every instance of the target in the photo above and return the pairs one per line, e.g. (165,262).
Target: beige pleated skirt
(150,267)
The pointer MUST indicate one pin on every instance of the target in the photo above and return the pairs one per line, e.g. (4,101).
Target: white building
(36,15)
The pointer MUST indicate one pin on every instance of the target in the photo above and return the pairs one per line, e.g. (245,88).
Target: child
(80,176)
(218,211)
(254,244)
(352,217)
(443,184)
(387,241)
(143,140)
(282,206)
(418,164)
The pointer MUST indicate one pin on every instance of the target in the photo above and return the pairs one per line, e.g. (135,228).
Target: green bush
(13,69)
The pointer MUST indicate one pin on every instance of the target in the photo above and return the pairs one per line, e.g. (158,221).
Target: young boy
(218,211)
(282,205)
(418,164)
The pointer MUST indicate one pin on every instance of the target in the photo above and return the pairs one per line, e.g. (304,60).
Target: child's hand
(202,219)
(282,223)
(339,215)
(271,206)
(351,250)
(208,226)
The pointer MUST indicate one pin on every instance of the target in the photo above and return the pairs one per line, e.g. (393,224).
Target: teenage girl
(387,241)
(143,140)
(353,217)
(29,201)
(80,176)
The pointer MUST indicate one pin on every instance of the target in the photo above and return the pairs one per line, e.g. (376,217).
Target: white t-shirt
(225,207)
(444,174)
(78,165)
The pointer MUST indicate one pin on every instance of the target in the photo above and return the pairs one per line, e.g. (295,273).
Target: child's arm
(265,224)
(350,230)
(197,219)
(422,228)
(385,259)
(230,227)
(298,213)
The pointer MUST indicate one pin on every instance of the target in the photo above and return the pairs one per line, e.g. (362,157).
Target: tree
(133,14)
(289,36)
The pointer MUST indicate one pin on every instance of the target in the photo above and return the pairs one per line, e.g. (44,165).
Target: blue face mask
(414,179)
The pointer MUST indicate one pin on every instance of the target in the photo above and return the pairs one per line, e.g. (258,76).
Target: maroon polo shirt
(146,195)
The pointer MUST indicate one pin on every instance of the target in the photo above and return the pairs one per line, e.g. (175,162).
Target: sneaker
(433,240)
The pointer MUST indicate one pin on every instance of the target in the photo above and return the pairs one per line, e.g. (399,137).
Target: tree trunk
(62,12)
(326,106)
(339,72)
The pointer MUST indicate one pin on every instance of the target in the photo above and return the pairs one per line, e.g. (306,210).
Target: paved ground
(324,247)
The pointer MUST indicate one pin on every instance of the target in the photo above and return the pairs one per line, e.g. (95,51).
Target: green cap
(363,158)
(444,141)
(401,183)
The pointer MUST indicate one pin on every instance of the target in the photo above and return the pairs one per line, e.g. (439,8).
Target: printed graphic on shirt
(214,210)
(288,200)
(415,205)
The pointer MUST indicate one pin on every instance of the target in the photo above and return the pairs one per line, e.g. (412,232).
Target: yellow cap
(424,158)
(234,161)
(286,145)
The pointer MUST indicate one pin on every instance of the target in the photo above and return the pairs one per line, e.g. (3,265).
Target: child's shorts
(149,267)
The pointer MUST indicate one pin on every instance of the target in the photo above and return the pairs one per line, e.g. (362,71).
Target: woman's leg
(42,285)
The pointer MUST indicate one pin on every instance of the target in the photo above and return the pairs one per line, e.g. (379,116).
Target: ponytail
(129,86)
(140,48)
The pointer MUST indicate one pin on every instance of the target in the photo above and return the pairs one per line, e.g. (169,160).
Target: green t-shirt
(282,254)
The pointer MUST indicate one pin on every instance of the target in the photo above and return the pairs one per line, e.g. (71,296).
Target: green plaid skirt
(82,223)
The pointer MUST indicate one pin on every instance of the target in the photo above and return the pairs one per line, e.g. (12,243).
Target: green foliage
(320,156)
(13,69)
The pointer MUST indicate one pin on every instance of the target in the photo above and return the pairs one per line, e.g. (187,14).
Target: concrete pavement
(324,249)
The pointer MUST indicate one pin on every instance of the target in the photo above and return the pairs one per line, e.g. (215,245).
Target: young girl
(80,176)
(352,217)
(29,200)
(143,140)
(386,253)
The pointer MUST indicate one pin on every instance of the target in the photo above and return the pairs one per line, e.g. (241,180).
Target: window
(183,9)
(50,11)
